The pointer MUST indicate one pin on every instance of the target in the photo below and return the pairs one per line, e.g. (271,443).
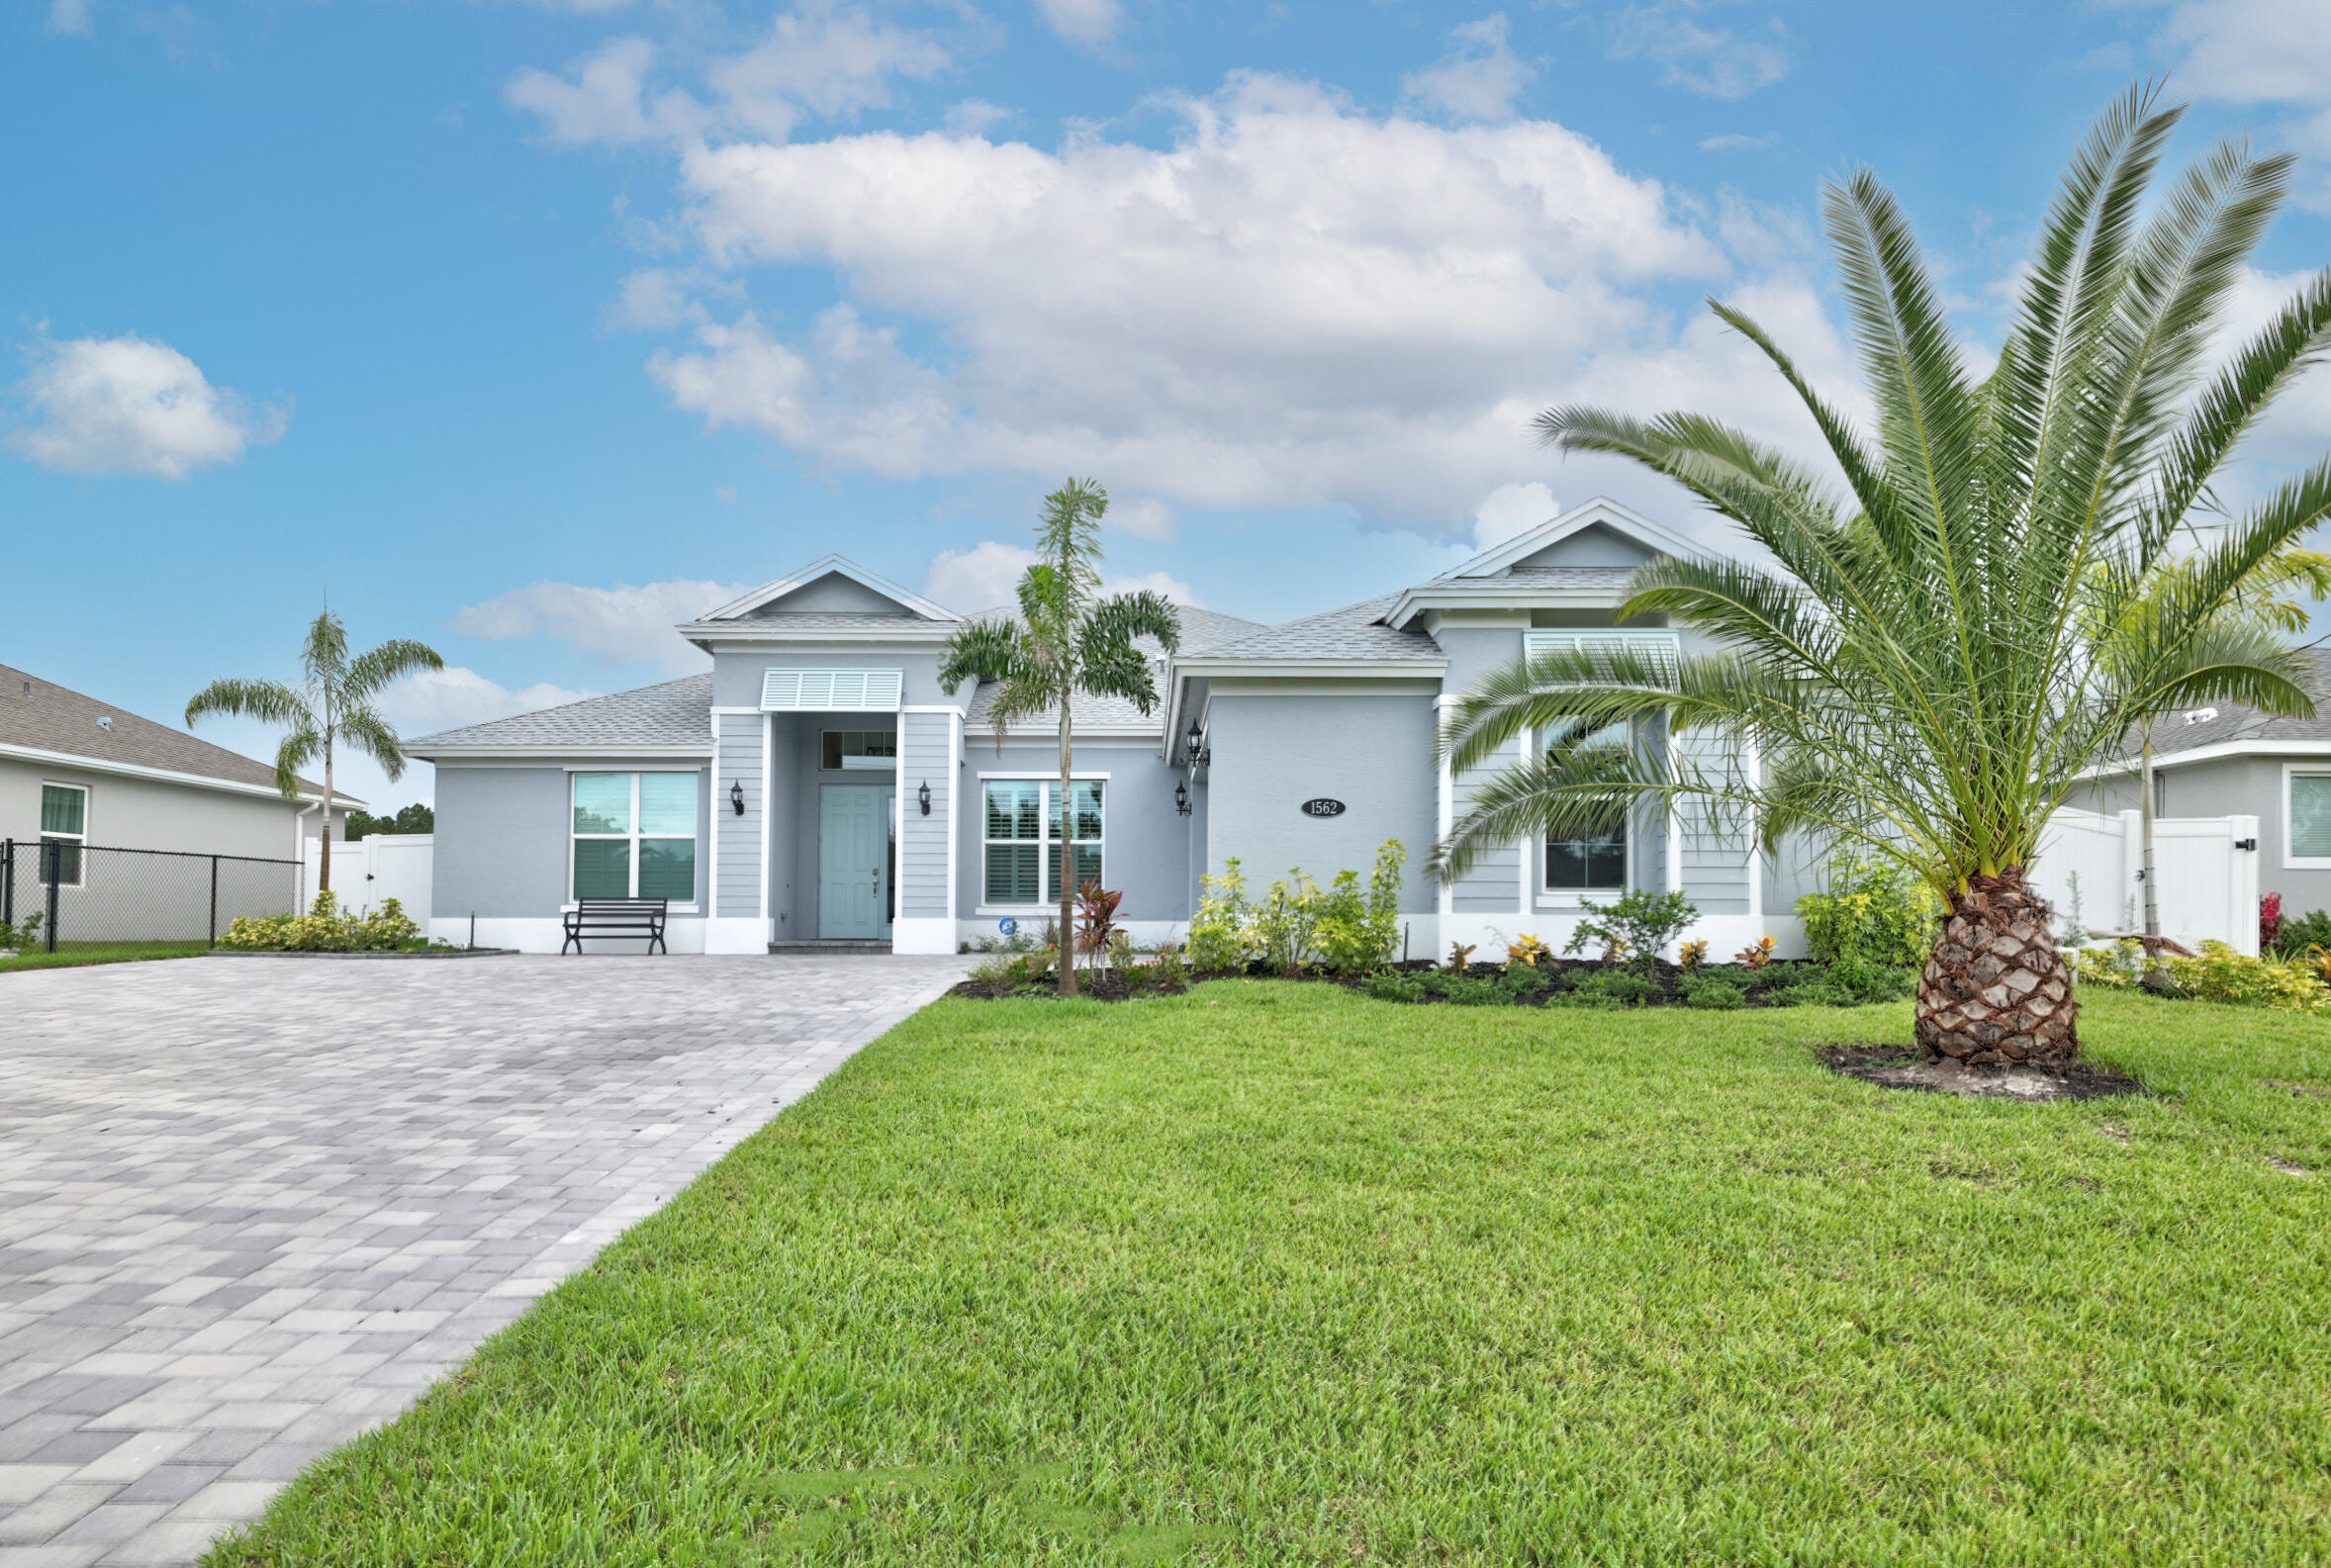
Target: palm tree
(332,704)
(1067,638)
(2000,582)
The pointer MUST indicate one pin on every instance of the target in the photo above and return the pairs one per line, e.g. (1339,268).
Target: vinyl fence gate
(97,896)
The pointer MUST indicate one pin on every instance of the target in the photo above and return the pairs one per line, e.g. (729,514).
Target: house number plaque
(1323,807)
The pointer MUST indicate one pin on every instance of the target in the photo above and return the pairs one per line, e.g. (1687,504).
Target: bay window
(635,836)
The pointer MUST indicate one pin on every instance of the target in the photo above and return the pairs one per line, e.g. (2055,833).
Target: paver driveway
(250,1207)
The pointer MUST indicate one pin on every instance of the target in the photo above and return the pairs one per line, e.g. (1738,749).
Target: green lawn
(1344,1281)
(69,954)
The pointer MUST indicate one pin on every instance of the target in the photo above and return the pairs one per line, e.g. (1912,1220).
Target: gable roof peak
(1599,511)
(831,565)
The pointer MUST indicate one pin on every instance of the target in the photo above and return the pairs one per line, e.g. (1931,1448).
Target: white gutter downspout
(300,850)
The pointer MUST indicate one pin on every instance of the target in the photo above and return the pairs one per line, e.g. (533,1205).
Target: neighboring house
(79,771)
(818,784)
(2228,759)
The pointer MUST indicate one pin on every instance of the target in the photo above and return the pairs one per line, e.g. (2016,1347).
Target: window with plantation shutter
(2310,817)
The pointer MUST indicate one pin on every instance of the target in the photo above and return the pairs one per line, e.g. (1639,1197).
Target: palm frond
(269,701)
(373,670)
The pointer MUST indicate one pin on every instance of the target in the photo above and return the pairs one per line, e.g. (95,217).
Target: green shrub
(1524,979)
(1389,985)
(1873,910)
(324,929)
(1612,987)
(1812,993)
(1715,995)
(2301,932)
(1642,922)
(1218,931)
(1866,982)
(1298,926)
(2217,975)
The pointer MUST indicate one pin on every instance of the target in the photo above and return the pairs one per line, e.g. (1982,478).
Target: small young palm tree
(332,704)
(1999,584)
(1067,638)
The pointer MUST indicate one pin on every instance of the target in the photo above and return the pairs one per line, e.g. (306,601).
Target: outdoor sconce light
(1181,798)
(736,796)
(924,797)
(1197,736)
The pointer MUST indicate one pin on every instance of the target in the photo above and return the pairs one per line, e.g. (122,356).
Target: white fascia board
(1601,510)
(1051,732)
(131,770)
(816,569)
(1358,667)
(744,636)
(559,756)
(2261,747)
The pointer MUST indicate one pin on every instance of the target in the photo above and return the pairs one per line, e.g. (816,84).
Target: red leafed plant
(1096,920)
(2270,921)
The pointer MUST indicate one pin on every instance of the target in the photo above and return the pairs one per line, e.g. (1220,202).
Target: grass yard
(71,954)
(1329,1280)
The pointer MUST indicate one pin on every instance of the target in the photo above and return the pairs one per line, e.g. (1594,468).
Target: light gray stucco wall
(1272,753)
(151,814)
(502,838)
(2231,787)
(1145,842)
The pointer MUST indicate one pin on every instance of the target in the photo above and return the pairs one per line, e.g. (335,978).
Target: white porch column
(738,886)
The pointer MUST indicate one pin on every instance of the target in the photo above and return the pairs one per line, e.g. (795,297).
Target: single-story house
(818,784)
(2227,760)
(91,779)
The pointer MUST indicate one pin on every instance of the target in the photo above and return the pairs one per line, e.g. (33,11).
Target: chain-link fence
(89,894)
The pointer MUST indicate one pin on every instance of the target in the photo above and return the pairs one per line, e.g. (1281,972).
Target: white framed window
(64,822)
(1023,839)
(2306,817)
(635,836)
(858,750)
(1587,865)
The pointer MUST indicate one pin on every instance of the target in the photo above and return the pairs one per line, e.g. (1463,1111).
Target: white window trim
(1553,897)
(633,837)
(1043,844)
(2292,862)
(80,862)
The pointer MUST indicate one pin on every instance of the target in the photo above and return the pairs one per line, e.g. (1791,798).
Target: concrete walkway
(250,1208)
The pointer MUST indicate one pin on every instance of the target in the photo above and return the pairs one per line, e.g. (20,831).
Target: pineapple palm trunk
(1996,991)
(1068,858)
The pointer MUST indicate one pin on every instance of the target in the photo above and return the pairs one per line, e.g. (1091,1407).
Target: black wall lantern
(1196,737)
(1181,798)
(924,795)
(736,796)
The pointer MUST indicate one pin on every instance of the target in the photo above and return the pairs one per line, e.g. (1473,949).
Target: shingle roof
(1201,629)
(1353,631)
(44,717)
(830,621)
(675,713)
(2234,723)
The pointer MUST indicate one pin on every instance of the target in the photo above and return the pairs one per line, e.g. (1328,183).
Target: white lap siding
(926,756)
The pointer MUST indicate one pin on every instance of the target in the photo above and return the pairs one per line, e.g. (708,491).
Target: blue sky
(527,329)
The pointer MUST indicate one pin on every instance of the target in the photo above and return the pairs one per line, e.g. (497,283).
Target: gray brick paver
(247,1217)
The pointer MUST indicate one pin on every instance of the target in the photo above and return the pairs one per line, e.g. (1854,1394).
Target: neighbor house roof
(41,717)
(2224,728)
(675,715)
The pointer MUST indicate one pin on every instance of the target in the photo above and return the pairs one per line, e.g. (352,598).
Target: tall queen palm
(333,707)
(2005,575)
(1069,638)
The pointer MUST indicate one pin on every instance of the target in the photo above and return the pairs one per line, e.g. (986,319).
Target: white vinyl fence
(2208,867)
(373,870)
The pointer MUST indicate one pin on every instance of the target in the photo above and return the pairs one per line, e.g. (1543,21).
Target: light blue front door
(853,861)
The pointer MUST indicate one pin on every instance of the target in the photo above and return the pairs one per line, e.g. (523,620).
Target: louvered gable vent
(832,690)
(1662,648)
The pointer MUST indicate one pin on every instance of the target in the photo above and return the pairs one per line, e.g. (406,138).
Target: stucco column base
(732,936)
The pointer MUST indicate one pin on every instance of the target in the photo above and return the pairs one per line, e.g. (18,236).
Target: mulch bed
(1108,985)
(1907,1067)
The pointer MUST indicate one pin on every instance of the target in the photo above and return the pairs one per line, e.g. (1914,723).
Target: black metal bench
(617,918)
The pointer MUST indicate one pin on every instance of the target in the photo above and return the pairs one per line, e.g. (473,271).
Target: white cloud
(1085,22)
(1740,142)
(1294,303)
(601,102)
(428,701)
(1712,60)
(2272,52)
(988,576)
(1511,511)
(822,59)
(1145,518)
(653,298)
(1478,78)
(130,404)
(622,624)
(975,116)
(68,16)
